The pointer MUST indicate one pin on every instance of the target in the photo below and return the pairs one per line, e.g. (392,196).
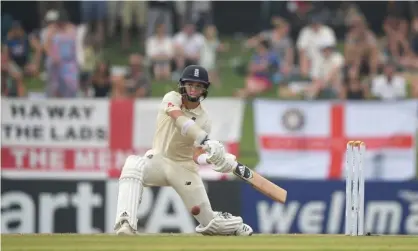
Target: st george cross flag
(308,140)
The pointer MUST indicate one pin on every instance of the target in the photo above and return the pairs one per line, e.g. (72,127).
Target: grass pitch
(169,242)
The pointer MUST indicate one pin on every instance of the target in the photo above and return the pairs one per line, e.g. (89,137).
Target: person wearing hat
(309,44)
(327,77)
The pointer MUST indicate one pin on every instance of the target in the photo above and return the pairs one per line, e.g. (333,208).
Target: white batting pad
(130,191)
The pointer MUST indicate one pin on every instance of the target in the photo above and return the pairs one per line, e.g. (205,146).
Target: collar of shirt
(197,111)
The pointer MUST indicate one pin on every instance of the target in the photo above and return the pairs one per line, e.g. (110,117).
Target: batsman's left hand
(216,151)
(227,164)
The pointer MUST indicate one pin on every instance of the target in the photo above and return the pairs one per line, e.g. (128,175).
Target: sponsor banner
(390,208)
(94,136)
(89,206)
(307,140)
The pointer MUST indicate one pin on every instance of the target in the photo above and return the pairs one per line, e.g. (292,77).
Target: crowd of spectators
(68,57)
(317,66)
(314,65)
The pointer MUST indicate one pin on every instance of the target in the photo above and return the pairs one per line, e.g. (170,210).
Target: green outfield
(75,242)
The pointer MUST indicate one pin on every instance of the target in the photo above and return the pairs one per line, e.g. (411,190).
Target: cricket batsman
(181,142)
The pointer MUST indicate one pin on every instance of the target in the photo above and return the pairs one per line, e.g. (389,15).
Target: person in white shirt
(309,45)
(327,76)
(187,46)
(159,50)
(389,85)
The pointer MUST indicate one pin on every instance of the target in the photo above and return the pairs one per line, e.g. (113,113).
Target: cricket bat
(260,183)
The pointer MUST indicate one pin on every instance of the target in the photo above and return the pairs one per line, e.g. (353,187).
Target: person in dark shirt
(353,89)
(101,83)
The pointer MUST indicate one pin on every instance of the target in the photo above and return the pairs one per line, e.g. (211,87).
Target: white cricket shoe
(125,229)
(244,230)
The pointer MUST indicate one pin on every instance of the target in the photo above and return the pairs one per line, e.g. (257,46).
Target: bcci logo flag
(308,140)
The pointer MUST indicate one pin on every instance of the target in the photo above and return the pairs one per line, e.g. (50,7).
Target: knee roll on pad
(221,225)
(133,168)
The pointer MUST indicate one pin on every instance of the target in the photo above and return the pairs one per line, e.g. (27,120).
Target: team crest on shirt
(293,119)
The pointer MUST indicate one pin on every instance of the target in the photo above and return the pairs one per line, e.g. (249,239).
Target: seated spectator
(353,89)
(159,50)
(410,58)
(187,47)
(135,84)
(19,46)
(389,85)
(361,50)
(208,56)
(396,31)
(101,83)
(309,45)
(327,77)
(261,68)
(11,76)
(281,43)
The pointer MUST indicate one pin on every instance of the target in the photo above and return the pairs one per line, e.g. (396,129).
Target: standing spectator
(11,77)
(327,77)
(136,83)
(94,13)
(389,85)
(261,69)
(353,89)
(62,66)
(210,48)
(159,49)
(101,83)
(131,9)
(187,46)
(19,46)
(309,44)
(361,50)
